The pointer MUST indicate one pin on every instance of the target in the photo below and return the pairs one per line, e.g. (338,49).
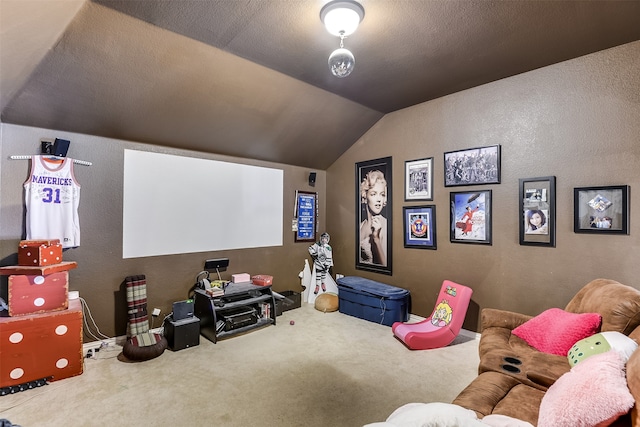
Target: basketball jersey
(52,196)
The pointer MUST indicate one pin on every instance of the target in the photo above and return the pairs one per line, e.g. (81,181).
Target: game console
(239,317)
(183,309)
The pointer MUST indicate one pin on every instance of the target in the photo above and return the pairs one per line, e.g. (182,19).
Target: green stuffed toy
(601,343)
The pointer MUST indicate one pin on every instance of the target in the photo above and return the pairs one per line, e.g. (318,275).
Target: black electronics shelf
(243,308)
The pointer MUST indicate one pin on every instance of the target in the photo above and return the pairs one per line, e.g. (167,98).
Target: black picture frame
(601,210)
(472,166)
(306,216)
(418,179)
(419,225)
(471,217)
(537,202)
(374,212)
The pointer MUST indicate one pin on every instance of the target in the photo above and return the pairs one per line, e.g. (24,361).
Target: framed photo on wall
(471,217)
(538,211)
(374,215)
(306,216)
(473,166)
(418,179)
(601,210)
(419,225)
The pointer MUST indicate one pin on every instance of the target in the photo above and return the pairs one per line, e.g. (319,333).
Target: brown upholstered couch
(513,377)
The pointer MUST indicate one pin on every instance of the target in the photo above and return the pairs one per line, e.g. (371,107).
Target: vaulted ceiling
(249,78)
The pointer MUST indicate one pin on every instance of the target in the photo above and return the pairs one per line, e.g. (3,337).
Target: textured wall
(101,269)
(578,120)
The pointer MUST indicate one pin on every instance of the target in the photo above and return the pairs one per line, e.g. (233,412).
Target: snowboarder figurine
(322,260)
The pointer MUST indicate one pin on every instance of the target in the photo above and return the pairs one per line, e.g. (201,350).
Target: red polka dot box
(33,290)
(31,294)
(39,252)
(47,345)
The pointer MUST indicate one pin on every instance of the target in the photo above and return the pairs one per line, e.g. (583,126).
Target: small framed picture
(419,227)
(601,210)
(538,211)
(418,179)
(471,217)
(474,166)
(306,216)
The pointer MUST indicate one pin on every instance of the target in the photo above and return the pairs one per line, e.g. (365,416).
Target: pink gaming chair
(445,323)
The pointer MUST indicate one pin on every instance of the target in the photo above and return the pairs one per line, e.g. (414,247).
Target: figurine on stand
(322,260)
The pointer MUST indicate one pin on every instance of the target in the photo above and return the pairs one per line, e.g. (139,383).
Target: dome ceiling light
(341,18)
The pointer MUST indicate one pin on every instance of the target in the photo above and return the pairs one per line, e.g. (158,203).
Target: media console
(242,308)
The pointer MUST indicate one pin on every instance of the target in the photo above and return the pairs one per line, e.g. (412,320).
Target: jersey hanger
(27,157)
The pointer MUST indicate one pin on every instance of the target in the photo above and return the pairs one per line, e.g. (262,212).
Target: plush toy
(601,343)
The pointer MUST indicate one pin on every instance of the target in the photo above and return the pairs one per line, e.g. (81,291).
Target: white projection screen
(175,204)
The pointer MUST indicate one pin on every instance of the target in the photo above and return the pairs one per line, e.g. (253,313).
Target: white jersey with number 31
(52,196)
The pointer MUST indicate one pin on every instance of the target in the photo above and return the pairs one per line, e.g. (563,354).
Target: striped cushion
(143,340)
(136,291)
(137,304)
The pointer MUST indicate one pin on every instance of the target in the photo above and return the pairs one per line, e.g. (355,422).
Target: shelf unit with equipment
(243,308)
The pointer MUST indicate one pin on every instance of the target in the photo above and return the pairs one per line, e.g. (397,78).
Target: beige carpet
(328,369)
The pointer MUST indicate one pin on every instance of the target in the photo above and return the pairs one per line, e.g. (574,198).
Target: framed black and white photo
(374,218)
(538,211)
(473,166)
(418,179)
(601,210)
(471,217)
(306,216)
(419,224)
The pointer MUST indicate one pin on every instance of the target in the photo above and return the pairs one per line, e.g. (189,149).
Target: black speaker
(60,147)
(312,179)
(183,333)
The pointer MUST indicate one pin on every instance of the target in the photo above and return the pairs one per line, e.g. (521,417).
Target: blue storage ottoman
(373,301)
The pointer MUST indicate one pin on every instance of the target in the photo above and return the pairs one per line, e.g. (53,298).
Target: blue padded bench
(373,301)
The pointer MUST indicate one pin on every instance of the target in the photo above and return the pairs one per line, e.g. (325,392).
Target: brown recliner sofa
(513,376)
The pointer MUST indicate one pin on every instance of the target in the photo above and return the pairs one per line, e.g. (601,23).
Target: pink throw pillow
(592,393)
(554,331)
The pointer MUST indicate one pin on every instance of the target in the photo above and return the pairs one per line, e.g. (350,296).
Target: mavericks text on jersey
(52,196)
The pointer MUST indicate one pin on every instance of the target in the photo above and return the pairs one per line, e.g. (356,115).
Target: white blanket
(438,414)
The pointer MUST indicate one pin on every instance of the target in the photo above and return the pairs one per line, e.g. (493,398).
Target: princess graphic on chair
(442,314)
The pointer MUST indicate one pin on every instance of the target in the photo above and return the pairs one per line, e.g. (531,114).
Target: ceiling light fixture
(341,17)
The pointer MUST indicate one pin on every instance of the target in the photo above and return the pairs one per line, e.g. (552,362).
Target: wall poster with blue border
(419,226)
(306,216)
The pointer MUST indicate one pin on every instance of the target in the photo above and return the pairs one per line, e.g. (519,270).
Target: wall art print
(374,215)
(473,166)
(419,224)
(418,179)
(538,211)
(471,217)
(601,210)
(306,216)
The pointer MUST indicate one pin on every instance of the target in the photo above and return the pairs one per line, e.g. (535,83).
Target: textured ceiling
(249,78)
